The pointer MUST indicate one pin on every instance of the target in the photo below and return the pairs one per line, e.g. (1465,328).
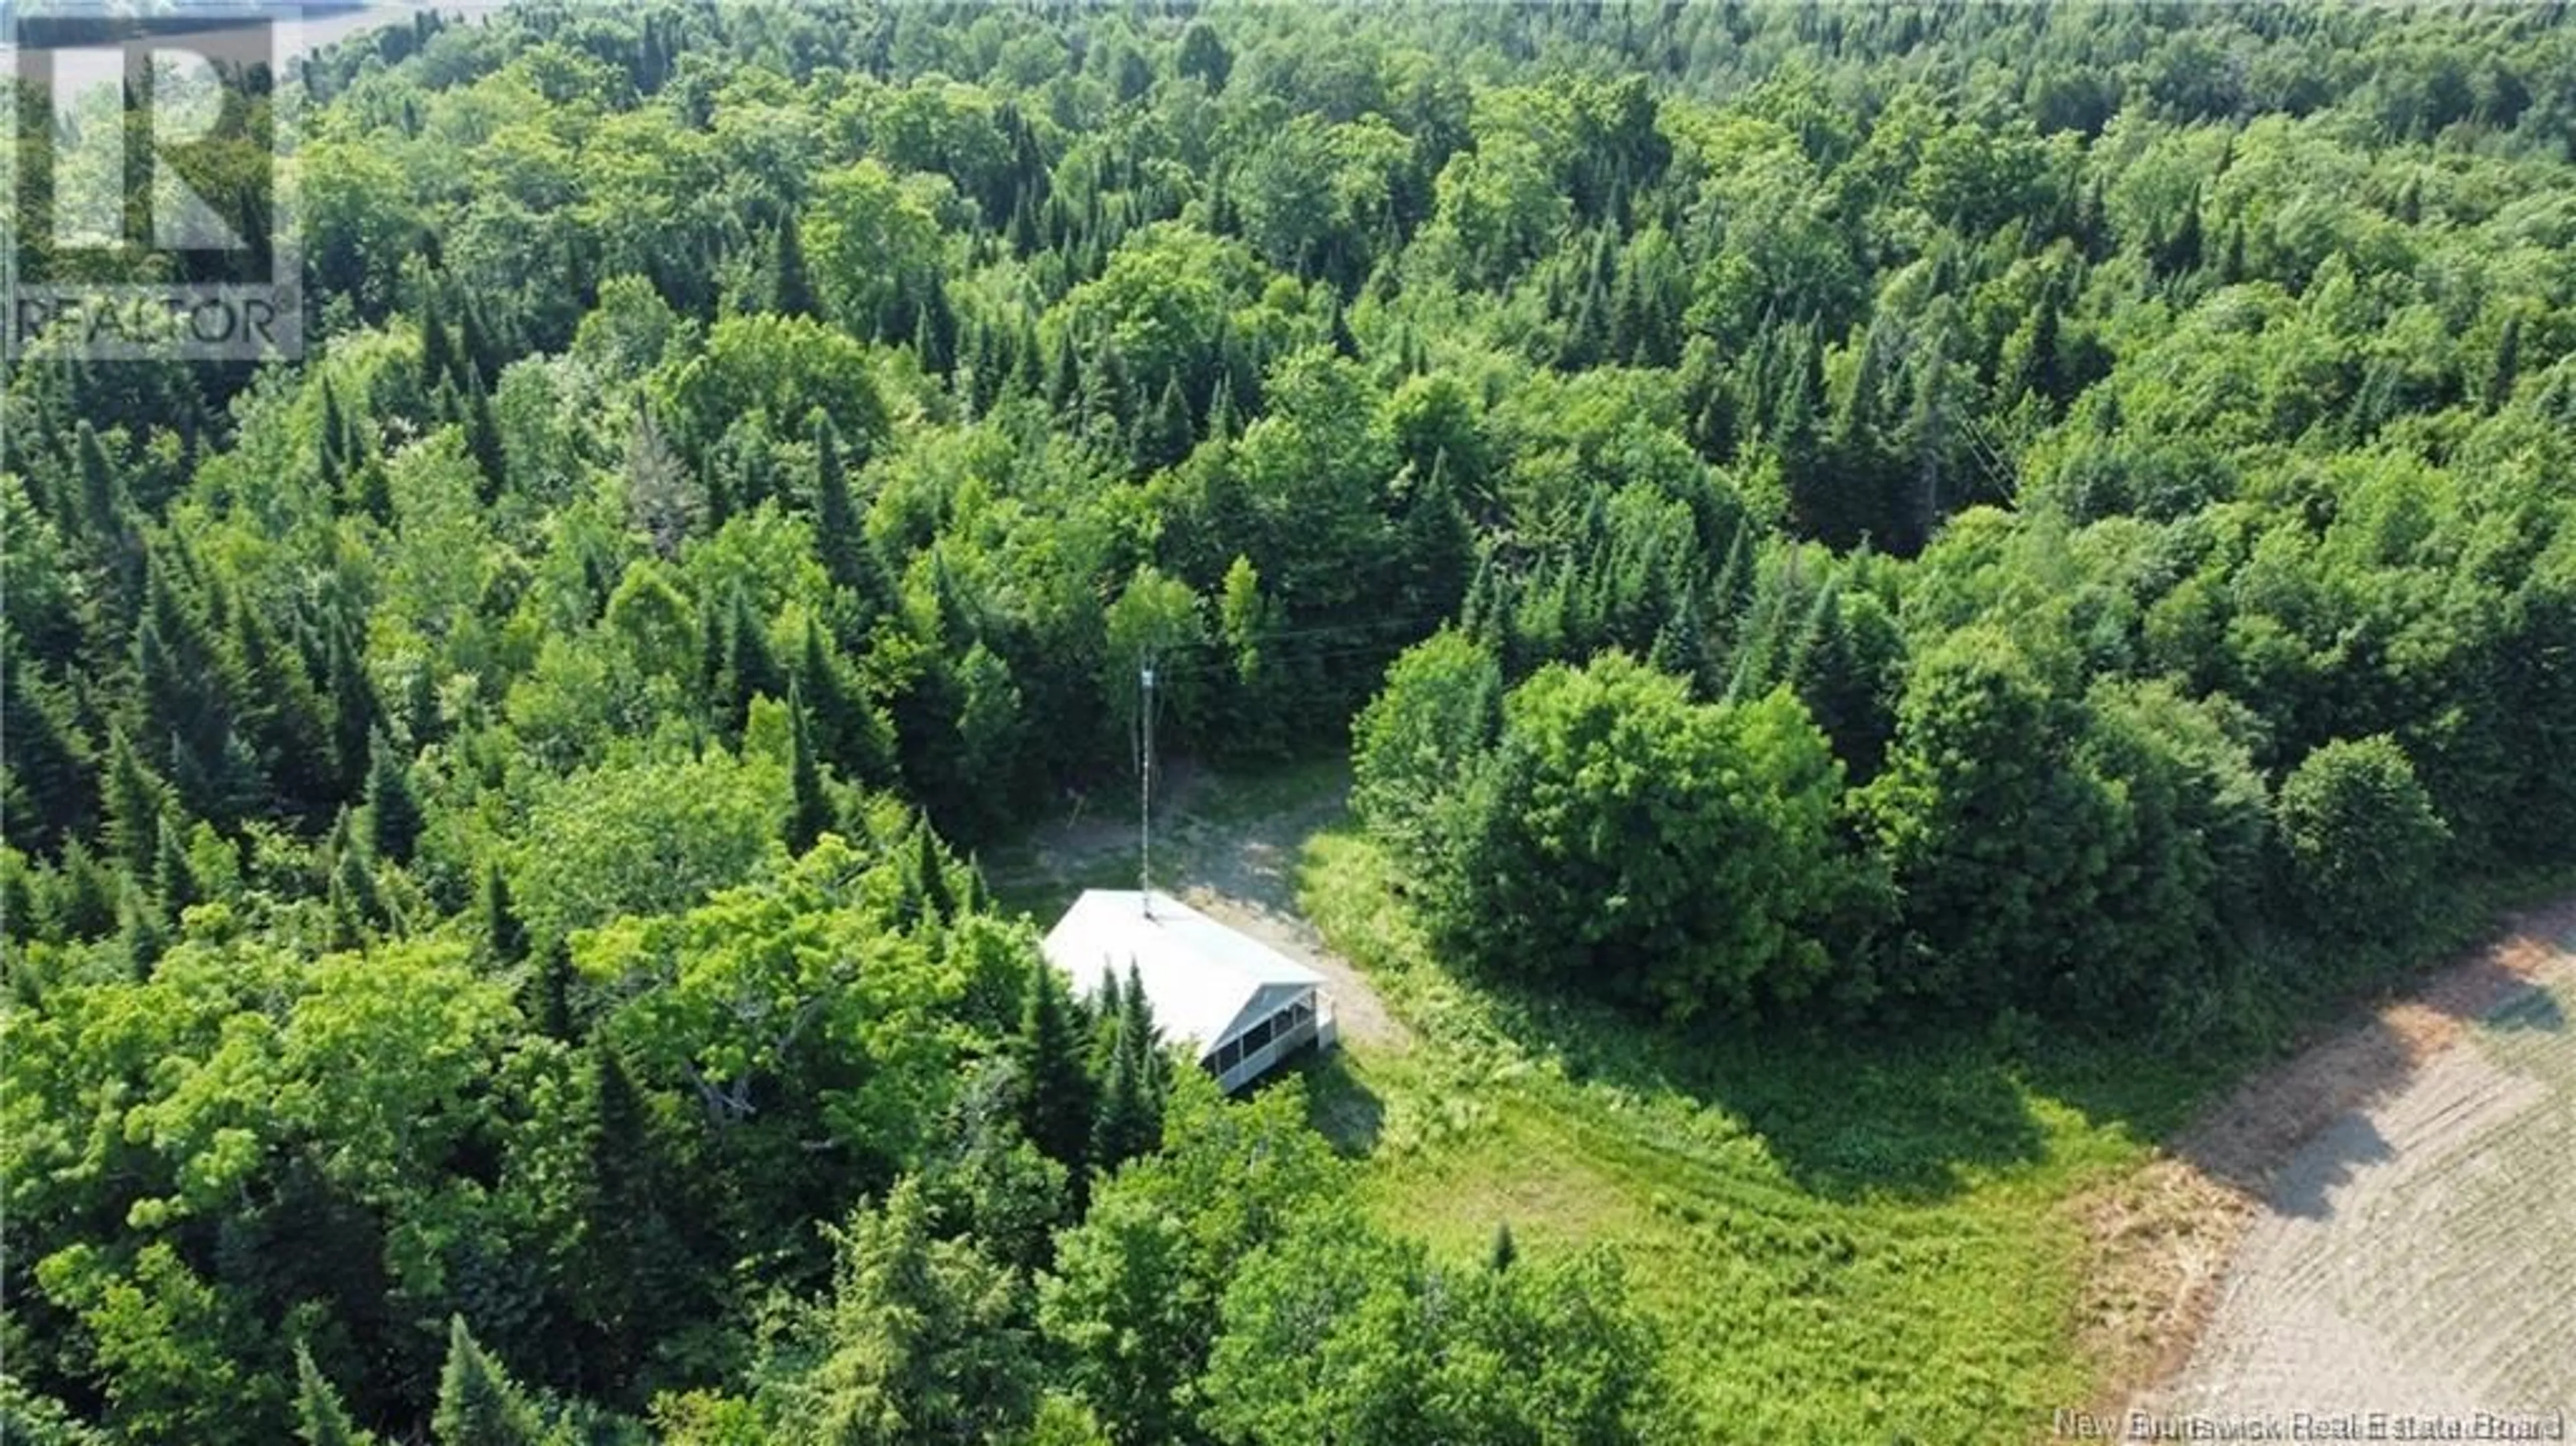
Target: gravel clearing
(1233,860)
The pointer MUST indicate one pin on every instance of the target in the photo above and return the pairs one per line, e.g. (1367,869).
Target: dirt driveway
(1227,847)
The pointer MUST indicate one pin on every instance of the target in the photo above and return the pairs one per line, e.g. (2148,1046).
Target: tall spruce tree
(437,348)
(2506,368)
(1118,1129)
(136,798)
(85,897)
(372,492)
(849,558)
(1107,1016)
(552,985)
(282,715)
(333,440)
(930,877)
(46,757)
(1132,1083)
(1164,436)
(478,1403)
(483,440)
(639,1278)
(319,1417)
(1055,1103)
(101,492)
(750,669)
(174,878)
(138,927)
(357,909)
(505,935)
(791,288)
(809,810)
(848,732)
(393,814)
(187,695)
(353,701)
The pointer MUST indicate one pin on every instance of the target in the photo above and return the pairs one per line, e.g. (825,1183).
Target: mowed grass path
(1841,1240)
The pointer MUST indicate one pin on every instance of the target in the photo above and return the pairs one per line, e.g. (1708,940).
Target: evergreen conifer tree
(393,814)
(437,350)
(637,1276)
(478,1404)
(810,811)
(1221,420)
(138,925)
(1118,1129)
(1063,373)
(320,1418)
(173,877)
(102,489)
(846,732)
(85,899)
(334,434)
(375,492)
(187,697)
(356,907)
(1107,1013)
(483,440)
(791,288)
(1055,1104)
(2507,368)
(930,877)
(282,714)
(751,670)
(353,702)
(136,797)
(1163,436)
(1153,1071)
(849,558)
(45,756)
(553,982)
(505,936)
(1679,647)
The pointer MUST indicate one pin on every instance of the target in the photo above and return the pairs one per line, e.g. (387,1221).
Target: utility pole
(1145,795)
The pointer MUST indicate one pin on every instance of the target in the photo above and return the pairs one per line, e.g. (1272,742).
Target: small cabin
(1240,1005)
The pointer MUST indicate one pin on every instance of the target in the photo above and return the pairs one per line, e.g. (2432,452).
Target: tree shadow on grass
(1848,1115)
(1341,1105)
(1906,1118)
(1921,1114)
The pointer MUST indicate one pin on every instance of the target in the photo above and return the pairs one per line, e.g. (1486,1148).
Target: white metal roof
(1204,980)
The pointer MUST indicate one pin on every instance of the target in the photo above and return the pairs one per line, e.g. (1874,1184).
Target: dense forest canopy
(1879,514)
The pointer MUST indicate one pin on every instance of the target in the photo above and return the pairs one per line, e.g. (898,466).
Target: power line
(1145,790)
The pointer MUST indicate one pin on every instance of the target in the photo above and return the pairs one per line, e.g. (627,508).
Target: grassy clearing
(1842,1241)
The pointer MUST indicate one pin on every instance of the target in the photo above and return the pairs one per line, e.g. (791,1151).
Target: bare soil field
(2401,1204)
